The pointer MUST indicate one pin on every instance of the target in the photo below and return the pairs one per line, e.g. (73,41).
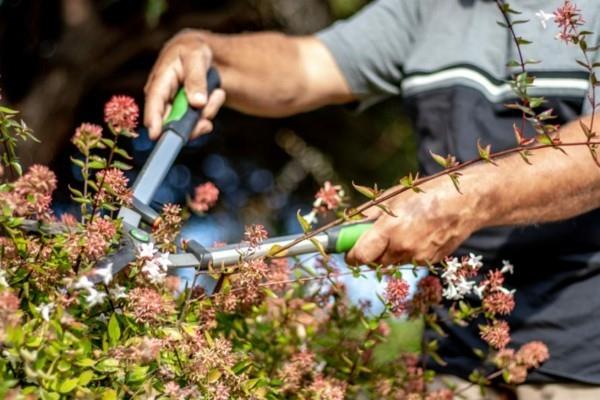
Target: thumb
(370,247)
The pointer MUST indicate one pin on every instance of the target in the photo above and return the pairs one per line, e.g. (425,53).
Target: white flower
(464,286)
(84,283)
(94,297)
(544,17)
(451,293)
(154,272)
(118,292)
(45,310)
(3,281)
(478,291)
(105,273)
(452,267)
(146,250)
(102,318)
(507,267)
(311,217)
(506,291)
(474,261)
(12,358)
(163,261)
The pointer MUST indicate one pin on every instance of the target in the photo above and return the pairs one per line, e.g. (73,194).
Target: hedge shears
(139,217)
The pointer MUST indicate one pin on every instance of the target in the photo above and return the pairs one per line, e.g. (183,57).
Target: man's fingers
(195,65)
(370,247)
(159,93)
(202,127)
(215,102)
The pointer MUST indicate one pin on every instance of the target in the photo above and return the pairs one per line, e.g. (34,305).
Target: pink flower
(33,192)
(9,316)
(293,371)
(68,219)
(9,302)
(325,388)
(504,358)
(440,394)
(98,236)
(148,306)
(429,292)
(87,136)
(499,303)
(494,280)
(39,179)
(255,234)
(121,113)
(568,17)
(172,389)
(533,354)
(328,197)
(496,335)
(113,185)
(219,355)
(205,197)
(395,294)
(279,274)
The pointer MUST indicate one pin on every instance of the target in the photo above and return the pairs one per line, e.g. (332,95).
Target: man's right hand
(184,60)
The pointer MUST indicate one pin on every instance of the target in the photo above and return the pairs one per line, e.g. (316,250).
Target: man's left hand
(427,227)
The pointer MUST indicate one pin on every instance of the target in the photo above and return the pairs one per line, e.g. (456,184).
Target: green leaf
(213,375)
(485,152)
(319,247)
(68,385)
(78,162)
(122,153)
(108,365)
(97,164)
(455,181)
(108,142)
(109,394)
(138,374)
(522,41)
(114,330)
(85,377)
(438,159)
(75,191)
(366,191)
(536,101)
(7,110)
(275,250)
(544,139)
(586,130)
(121,165)
(386,210)
(306,227)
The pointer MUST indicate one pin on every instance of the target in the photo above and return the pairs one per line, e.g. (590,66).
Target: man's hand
(427,227)
(185,59)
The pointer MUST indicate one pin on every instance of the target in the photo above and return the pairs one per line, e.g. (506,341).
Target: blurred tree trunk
(90,51)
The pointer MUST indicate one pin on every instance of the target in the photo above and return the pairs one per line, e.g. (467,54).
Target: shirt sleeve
(370,47)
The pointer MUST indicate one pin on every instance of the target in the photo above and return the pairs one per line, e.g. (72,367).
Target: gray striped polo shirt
(448,59)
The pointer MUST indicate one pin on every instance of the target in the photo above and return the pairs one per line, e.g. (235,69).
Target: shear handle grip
(183,118)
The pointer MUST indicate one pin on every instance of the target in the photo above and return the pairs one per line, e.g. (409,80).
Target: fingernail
(199,97)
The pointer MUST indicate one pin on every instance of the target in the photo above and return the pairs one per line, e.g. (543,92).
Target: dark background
(61,60)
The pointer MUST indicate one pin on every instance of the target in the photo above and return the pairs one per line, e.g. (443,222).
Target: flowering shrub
(275,328)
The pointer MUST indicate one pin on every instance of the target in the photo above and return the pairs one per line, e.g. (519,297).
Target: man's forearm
(556,186)
(271,74)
